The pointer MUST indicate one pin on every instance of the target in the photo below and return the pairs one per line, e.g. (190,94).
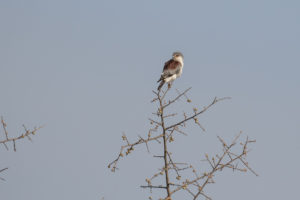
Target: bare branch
(198,113)
(1,172)
(166,167)
(151,186)
(180,95)
(14,139)
(171,170)
(130,148)
(218,166)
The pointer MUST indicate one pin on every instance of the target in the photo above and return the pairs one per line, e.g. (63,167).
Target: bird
(172,70)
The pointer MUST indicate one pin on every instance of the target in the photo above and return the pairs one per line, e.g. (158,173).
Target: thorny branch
(27,133)
(173,183)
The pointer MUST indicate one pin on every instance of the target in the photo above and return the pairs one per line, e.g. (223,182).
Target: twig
(198,113)
(14,139)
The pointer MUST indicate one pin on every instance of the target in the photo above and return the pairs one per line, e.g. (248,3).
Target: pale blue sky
(86,69)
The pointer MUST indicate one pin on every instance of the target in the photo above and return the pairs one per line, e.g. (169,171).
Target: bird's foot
(169,85)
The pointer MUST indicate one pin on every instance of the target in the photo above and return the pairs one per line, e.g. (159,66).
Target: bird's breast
(180,71)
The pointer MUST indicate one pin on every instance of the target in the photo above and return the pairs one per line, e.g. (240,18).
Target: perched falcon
(172,70)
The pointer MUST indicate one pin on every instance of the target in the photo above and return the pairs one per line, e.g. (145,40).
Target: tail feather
(160,85)
(161,78)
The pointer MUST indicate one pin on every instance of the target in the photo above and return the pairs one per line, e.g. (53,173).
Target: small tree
(172,171)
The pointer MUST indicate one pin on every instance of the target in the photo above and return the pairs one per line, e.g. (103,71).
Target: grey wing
(169,72)
(171,69)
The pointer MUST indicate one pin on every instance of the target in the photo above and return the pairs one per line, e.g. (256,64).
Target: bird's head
(178,56)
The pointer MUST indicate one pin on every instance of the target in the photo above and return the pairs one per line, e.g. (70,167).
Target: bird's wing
(171,67)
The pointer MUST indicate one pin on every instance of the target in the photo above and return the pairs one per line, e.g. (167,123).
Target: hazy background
(86,69)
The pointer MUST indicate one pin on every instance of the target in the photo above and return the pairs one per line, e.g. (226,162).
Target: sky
(85,70)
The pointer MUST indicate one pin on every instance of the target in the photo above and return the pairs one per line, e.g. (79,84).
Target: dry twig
(27,133)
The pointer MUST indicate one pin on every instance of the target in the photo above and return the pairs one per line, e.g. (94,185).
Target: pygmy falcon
(172,70)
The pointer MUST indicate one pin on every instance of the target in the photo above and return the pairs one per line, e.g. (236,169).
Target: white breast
(180,72)
(180,59)
(181,62)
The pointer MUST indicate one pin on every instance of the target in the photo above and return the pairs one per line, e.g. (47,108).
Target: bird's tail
(161,78)
(160,85)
